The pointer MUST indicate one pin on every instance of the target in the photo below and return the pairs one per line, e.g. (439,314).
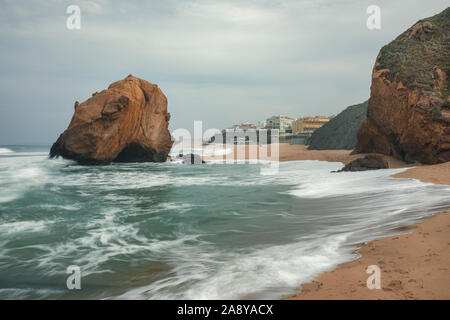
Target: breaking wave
(5,150)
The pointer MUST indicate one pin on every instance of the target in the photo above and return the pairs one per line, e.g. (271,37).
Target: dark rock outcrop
(128,122)
(340,132)
(369,162)
(408,115)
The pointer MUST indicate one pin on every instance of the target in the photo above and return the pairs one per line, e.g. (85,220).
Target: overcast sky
(223,62)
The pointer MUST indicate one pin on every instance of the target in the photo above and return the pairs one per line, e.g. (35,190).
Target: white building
(280,122)
(261,124)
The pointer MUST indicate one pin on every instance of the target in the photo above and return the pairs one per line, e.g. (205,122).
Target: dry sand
(437,174)
(414,265)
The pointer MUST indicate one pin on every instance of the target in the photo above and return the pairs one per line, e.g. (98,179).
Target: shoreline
(288,152)
(414,264)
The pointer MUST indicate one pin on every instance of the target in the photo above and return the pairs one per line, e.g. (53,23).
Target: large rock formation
(409,107)
(128,122)
(340,132)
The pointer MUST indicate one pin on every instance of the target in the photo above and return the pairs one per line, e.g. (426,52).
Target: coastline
(414,265)
(289,152)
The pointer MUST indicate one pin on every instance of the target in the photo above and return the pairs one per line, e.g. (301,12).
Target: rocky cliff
(128,122)
(339,132)
(408,115)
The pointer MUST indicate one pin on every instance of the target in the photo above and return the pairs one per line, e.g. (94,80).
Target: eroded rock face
(408,115)
(128,122)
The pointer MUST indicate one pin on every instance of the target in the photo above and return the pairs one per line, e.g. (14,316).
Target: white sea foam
(206,151)
(261,274)
(24,293)
(19,177)
(180,207)
(31,154)
(312,179)
(22,226)
(73,207)
(5,151)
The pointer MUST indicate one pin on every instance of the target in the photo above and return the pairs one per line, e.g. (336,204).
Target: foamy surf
(261,274)
(5,151)
(204,151)
(159,230)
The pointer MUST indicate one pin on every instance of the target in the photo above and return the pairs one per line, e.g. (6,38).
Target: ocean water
(169,231)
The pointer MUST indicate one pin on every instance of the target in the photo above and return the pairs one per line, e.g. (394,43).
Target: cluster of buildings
(289,129)
(290,126)
(308,124)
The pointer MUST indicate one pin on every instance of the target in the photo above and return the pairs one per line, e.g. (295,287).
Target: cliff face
(128,122)
(408,115)
(339,132)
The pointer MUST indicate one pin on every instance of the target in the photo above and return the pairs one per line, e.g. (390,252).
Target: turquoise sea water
(166,230)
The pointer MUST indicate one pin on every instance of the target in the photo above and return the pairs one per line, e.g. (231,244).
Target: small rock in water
(369,162)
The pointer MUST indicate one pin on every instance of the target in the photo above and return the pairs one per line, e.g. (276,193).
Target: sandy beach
(289,152)
(414,264)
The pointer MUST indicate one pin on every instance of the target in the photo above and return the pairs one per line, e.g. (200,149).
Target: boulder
(369,162)
(408,114)
(128,122)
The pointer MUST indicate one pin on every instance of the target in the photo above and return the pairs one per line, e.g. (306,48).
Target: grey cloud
(217,61)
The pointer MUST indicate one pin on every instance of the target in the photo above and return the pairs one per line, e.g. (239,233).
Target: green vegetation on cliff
(415,57)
